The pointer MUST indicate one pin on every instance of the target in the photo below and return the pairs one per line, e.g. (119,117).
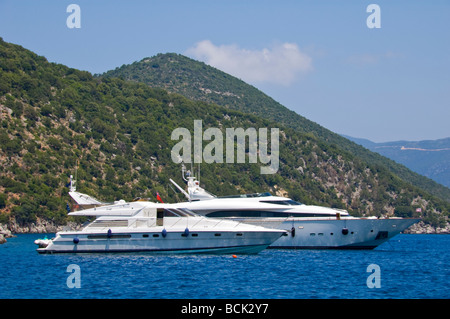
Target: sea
(406,267)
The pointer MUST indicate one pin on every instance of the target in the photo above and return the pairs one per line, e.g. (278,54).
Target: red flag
(159,197)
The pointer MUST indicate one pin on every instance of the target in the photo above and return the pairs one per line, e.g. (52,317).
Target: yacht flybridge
(157,228)
(308,226)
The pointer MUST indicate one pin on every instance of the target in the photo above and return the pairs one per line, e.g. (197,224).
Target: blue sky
(318,58)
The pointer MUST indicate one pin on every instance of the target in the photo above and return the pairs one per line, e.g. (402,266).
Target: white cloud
(280,64)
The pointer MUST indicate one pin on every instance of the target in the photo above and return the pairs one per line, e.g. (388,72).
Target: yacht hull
(327,233)
(155,243)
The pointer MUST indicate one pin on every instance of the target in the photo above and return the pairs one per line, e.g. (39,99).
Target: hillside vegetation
(55,119)
(198,81)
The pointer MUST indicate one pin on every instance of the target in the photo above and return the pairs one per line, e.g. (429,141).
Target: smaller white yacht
(143,226)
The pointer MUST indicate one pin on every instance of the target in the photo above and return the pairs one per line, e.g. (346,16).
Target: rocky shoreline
(45,226)
(422,228)
(4,233)
(40,227)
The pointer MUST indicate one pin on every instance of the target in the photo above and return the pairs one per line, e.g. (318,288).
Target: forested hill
(117,134)
(198,81)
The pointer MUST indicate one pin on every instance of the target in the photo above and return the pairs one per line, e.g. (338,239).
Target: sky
(382,74)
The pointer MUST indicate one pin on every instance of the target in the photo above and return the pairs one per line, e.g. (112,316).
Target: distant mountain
(430,158)
(198,81)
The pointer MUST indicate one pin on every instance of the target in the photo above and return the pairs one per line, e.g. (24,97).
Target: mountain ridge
(430,158)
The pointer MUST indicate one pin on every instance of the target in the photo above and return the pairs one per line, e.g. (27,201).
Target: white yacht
(158,228)
(308,226)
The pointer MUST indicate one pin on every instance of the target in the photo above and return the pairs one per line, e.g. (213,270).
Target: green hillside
(198,81)
(117,133)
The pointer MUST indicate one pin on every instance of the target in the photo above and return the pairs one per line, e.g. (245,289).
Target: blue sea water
(410,266)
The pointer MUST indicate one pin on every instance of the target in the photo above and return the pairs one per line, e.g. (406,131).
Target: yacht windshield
(178,212)
(288,202)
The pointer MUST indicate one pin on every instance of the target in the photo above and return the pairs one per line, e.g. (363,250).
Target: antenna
(76,174)
(195,192)
(72,187)
(183,172)
(73,181)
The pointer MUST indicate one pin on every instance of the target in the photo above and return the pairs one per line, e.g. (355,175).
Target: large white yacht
(308,226)
(157,228)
